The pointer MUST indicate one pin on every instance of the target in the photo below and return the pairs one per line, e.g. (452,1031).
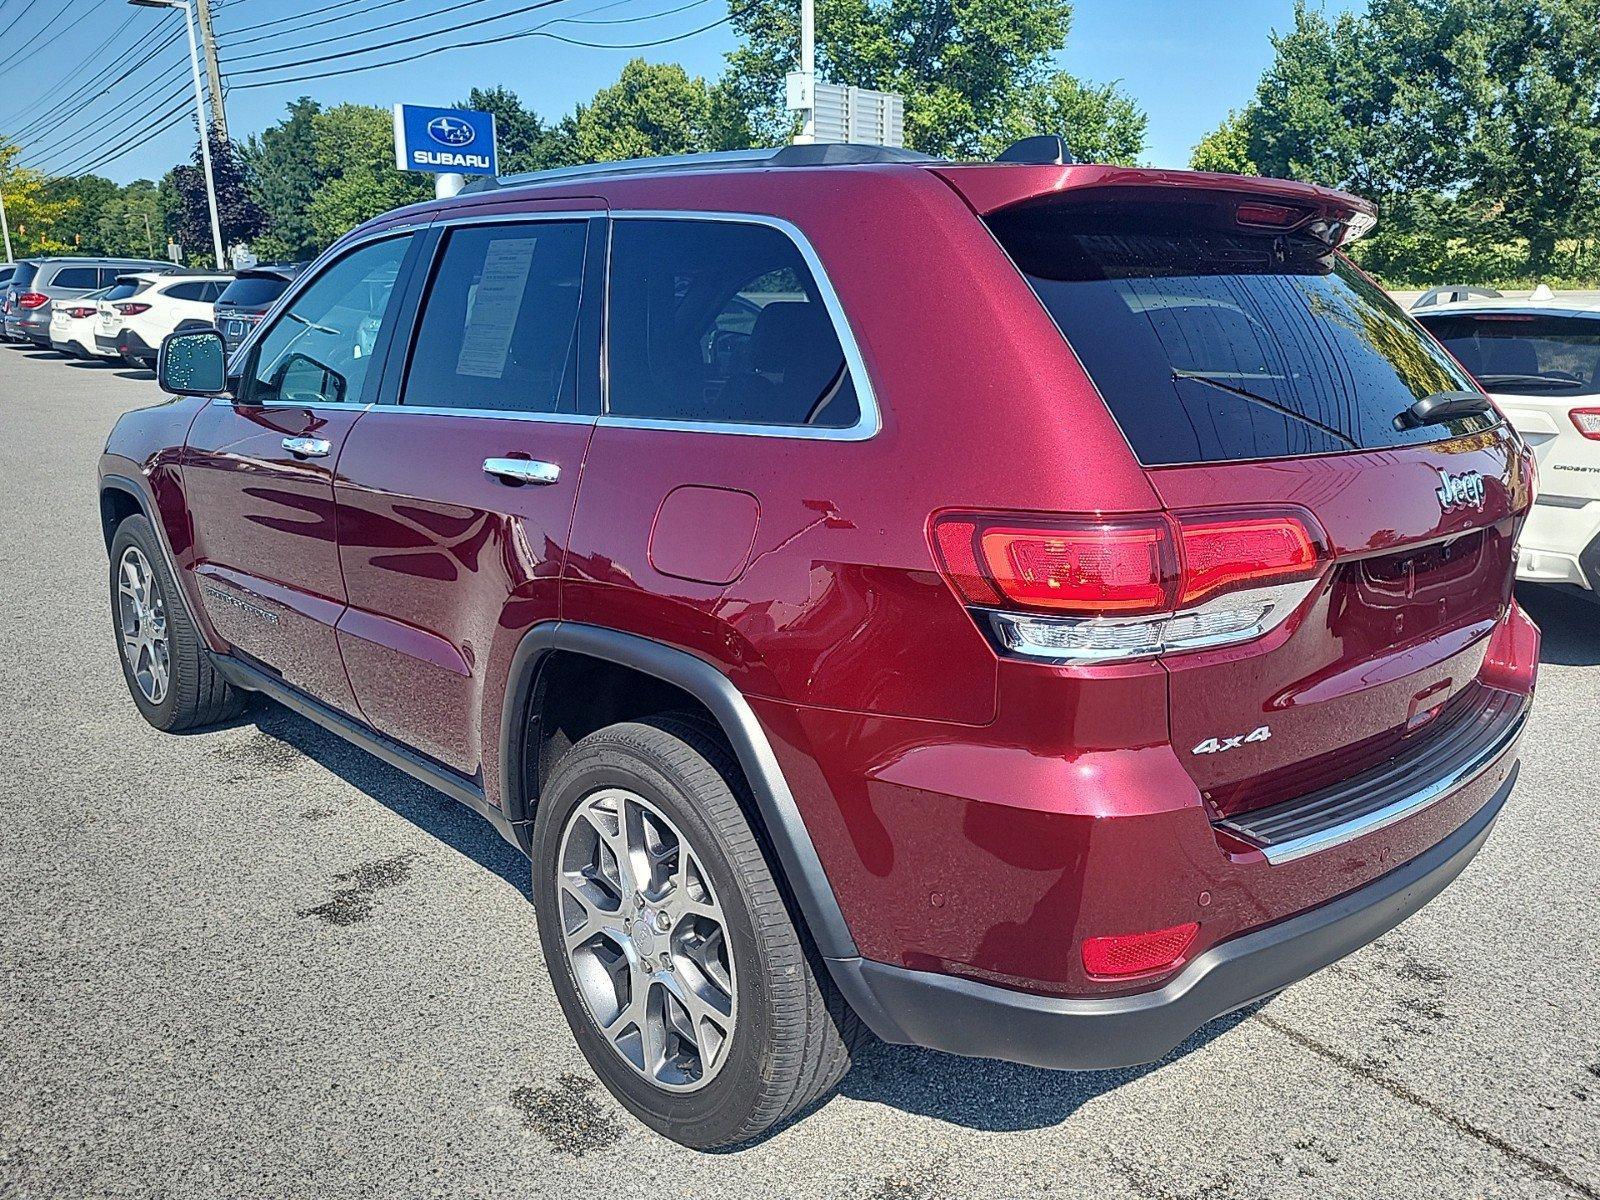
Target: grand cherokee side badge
(1460,491)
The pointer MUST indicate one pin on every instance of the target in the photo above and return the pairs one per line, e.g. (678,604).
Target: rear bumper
(128,342)
(1560,543)
(962,1016)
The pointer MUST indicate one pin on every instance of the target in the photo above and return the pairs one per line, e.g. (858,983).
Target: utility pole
(6,226)
(208,43)
(808,68)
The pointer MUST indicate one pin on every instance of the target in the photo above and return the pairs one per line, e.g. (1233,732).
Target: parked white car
(1540,361)
(143,307)
(73,323)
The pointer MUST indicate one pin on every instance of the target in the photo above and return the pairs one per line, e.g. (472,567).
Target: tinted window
(499,328)
(25,273)
(318,349)
(253,291)
(1527,354)
(75,277)
(721,321)
(193,290)
(108,275)
(121,291)
(1212,344)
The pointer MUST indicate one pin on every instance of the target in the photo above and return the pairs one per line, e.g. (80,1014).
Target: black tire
(792,1040)
(195,694)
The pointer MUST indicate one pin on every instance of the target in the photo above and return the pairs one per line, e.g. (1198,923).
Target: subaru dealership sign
(444,140)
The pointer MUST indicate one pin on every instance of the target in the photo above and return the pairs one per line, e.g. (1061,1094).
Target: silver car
(39,282)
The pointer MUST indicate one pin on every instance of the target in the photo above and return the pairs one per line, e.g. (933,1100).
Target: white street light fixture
(200,116)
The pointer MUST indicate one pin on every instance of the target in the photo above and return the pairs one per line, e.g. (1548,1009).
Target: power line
(72,157)
(101,77)
(515,12)
(536,31)
(232,42)
(135,98)
(30,46)
(107,153)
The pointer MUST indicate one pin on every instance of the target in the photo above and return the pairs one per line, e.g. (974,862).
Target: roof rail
(817,155)
(1451,293)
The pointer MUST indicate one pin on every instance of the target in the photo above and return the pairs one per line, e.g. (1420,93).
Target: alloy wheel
(646,939)
(142,620)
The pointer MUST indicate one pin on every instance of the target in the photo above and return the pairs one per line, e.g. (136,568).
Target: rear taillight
(1097,590)
(131,310)
(1127,954)
(33,299)
(81,313)
(1588,422)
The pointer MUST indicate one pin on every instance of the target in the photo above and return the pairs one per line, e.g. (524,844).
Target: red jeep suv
(1025,609)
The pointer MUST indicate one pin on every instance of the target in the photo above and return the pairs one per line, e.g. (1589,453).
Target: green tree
(974,73)
(1227,147)
(526,142)
(35,215)
(355,164)
(238,216)
(654,108)
(131,224)
(1100,124)
(1530,73)
(86,196)
(1474,124)
(281,167)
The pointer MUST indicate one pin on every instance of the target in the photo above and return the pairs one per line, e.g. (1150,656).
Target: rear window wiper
(1440,407)
(1213,380)
(1551,383)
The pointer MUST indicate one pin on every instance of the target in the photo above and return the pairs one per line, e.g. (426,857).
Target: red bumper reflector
(1138,953)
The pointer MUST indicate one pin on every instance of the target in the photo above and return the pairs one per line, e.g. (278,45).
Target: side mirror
(193,362)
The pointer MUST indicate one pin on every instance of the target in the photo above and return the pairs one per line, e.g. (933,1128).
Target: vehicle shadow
(1570,624)
(980,1094)
(999,1097)
(432,811)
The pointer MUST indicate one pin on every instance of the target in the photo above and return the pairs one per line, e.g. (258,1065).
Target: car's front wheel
(168,672)
(684,979)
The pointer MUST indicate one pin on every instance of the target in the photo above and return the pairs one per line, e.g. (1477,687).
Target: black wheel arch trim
(786,829)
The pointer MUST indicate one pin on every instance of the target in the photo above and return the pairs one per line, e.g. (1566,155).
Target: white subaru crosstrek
(143,307)
(1540,361)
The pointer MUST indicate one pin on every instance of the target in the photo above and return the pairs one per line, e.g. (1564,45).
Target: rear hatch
(1254,370)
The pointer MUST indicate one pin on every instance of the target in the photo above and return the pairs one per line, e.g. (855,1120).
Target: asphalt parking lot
(257,962)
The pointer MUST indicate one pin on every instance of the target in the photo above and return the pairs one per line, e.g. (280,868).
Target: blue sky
(1186,61)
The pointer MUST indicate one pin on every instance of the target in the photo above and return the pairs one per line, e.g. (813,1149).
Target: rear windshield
(125,288)
(252,291)
(1524,354)
(1219,344)
(25,273)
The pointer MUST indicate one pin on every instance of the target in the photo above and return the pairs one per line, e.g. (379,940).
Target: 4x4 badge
(1460,491)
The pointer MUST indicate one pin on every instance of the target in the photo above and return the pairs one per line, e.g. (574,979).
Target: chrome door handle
(304,447)
(521,470)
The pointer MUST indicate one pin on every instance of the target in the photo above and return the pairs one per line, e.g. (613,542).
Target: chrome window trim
(868,423)
(497,414)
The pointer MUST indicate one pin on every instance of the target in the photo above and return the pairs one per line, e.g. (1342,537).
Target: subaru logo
(1460,491)
(451,131)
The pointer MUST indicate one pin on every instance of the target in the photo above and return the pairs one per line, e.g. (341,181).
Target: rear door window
(1218,344)
(721,322)
(499,327)
(1524,354)
(252,291)
(76,277)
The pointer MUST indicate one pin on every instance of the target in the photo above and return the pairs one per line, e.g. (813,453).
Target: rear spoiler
(1335,217)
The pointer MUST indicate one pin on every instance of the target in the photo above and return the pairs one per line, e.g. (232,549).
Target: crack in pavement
(1494,1141)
